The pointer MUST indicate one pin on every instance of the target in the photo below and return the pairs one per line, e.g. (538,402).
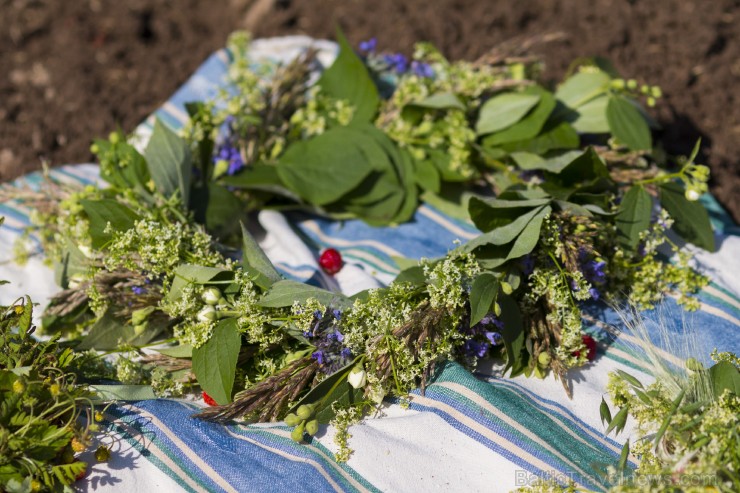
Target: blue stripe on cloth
(523,432)
(215,456)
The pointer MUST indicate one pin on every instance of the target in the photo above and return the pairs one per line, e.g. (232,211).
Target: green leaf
(124,392)
(170,162)
(627,124)
(634,215)
(667,421)
(724,376)
(323,169)
(254,259)
(482,294)
(334,388)
(555,135)
(72,262)
(260,177)
(512,334)
(624,456)
(179,351)
(506,233)
(104,211)
(691,219)
(606,415)
(617,424)
(217,208)
(284,293)
(587,166)
(554,163)
(127,169)
(214,363)
(109,331)
(528,127)
(503,111)
(413,275)
(582,87)
(591,117)
(349,79)
(439,101)
(427,175)
(629,378)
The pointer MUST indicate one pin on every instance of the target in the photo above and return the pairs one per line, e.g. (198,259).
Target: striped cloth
(468,432)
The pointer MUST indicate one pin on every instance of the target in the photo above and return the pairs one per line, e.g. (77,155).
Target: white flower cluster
(449,280)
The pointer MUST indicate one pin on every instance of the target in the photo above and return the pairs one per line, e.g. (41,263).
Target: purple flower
(319,356)
(337,314)
(475,348)
(369,45)
(494,337)
(422,69)
(227,152)
(593,270)
(397,62)
(594,293)
(527,264)
(317,314)
(138,290)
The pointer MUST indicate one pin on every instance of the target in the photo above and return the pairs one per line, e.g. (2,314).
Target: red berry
(331,261)
(209,400)
(590,344)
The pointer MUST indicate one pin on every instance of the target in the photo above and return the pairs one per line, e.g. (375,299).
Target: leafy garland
(149,259)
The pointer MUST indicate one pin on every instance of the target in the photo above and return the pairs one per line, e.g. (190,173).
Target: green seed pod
(312,427)
(304,412)
(211,296)
(506,287)
(544,359)
(497,309)
(297,433)
(292,420)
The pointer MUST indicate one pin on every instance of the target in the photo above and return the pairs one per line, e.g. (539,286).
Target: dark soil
(73,70)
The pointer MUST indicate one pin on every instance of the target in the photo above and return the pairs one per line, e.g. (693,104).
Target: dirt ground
(71,71)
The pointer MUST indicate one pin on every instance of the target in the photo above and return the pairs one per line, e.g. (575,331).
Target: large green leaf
(725,376)
(260,177)
(124,392)
(530,125)
(582,87)
(553,162)
(691,219)
(170,162)
(482,295)
(349,79)
(504,110)
(214,363)
(585,167)
(325,168)
(104,211)
(128,168)
(254,259)
(108,332)
(506,233)
(627,124)
(634,215)
(591,117)
(285,293)
(491,214)
(492,256)
(217,208)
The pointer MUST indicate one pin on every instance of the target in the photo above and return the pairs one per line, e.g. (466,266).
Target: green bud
(651,101)
(644,89)
(292,420)
(114,138)
(207,314)
(506,287)
(544,359)
(312,427)
(141,316)
(632,84)
(497,309)
(94,148)
(694,365)
(305,411)
(297,433)
(617,84)
(102,454)
(656,92)
(211,296)
(141,328)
